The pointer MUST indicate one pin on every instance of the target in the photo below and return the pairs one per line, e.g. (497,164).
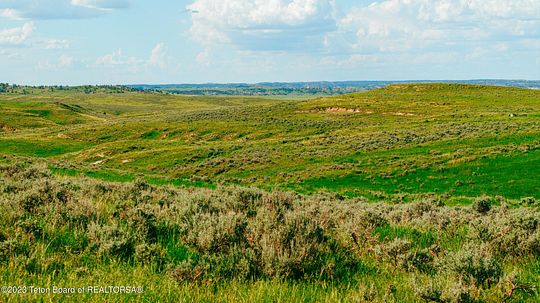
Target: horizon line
(275,82)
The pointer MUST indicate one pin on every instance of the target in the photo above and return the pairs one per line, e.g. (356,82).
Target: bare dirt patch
(339,110)
(63,136)
(99,162)
(6,128)
(401,114)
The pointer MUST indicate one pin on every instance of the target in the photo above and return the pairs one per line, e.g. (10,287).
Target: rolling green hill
(456,140)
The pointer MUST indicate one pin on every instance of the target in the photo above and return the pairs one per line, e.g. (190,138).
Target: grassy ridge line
(243,244)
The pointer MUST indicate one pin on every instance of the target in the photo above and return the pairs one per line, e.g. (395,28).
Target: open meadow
(407,193)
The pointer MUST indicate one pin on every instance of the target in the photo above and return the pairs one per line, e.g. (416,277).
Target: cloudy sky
(197,41)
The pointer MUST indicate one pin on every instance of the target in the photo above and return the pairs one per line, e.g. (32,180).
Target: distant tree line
(87,89)
(256,91)
(7,88)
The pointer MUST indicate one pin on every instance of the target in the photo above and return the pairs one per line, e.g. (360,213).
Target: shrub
(459,293)
(421,260)
(365,294)
(509,233)
(140,192)
(529,201)
(482,204)
(290,245)
(248,199)
(31,226)
(533,243)
(31,201)
(151,254)
(475,264)
(7,249)
(395,251)
(101,188)
(42,193)
(79,212)
(215,233)
(370,218)
(188,272)
(435,291)
(25,171)
(238,264)
(109,240)
(400,253)
(142,220)
(141,185)
(429,292)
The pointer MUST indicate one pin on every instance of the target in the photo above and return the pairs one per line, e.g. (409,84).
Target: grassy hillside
(243,244)
(410,193)
(458,140)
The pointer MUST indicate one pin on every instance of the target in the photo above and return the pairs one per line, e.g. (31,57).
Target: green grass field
(409,193)
(458,140)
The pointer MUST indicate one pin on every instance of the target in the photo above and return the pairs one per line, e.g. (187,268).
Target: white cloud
(58,9)
(63,61)
(406,25)
(486,50)
(265,24)
(17,35)
(117,58)
(158,57)
(268,14)
(23,36)
(503,8)
(351,61)
(101,4)
(6,54)
(388,26)
(10,14)
(56,44)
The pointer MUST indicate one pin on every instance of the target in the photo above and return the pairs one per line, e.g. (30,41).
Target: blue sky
(196,41)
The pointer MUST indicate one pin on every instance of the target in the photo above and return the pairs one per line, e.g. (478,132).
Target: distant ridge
(310,88)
